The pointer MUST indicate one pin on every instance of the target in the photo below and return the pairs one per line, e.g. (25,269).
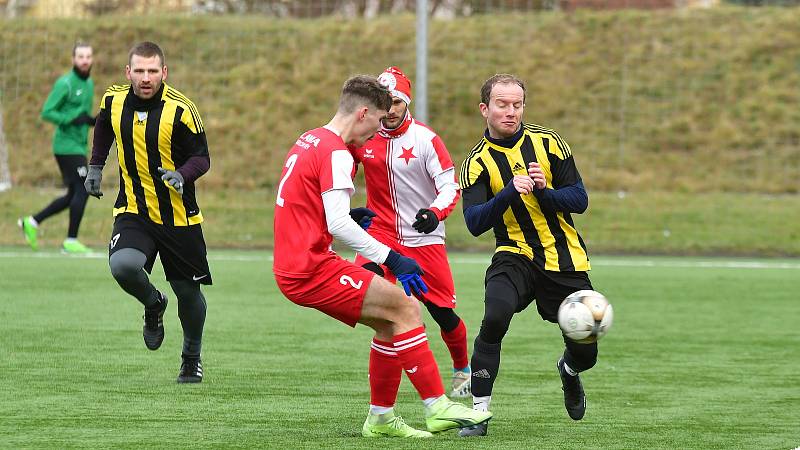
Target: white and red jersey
(406,173)
(318,162)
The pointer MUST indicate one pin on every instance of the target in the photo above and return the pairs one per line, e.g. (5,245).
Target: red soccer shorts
(433,261)
(336,288)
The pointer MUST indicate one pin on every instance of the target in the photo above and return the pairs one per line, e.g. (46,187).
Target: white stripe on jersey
(417,183)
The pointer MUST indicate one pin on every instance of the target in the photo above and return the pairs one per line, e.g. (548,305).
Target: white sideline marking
(484,260)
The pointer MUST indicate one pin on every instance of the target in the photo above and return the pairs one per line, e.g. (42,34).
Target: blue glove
(408,272)
(362,216)
(413,283)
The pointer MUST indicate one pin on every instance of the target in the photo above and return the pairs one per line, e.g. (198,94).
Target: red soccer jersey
(404,174)
(318,162)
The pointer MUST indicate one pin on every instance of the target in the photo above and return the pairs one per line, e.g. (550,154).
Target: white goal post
(5,174)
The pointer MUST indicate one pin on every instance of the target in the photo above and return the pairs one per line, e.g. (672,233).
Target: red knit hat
(397,82)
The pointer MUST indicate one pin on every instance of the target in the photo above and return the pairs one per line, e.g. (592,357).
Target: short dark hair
(363,90)
(147,49)
(80,44)
(500,78)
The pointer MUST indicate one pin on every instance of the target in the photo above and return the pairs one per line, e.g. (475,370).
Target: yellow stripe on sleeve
(116,118)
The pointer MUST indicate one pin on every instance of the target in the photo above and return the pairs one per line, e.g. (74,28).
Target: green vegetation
(695,360)
(694,114)
(694,101)
(643,223)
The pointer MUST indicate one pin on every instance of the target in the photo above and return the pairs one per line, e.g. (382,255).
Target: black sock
(192,312)
(485,366)
(579,357)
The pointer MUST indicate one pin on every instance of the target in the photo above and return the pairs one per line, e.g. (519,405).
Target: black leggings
(73,170)
(127,267)
(501,305)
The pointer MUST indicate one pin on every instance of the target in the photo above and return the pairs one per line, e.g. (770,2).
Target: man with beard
(411,189)
(162,150)
(69,107)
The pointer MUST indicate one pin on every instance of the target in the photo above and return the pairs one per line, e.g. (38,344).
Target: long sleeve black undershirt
(481,212)
(193,168)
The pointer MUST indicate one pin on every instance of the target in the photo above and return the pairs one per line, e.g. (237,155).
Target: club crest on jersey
(307,140)
(141,117)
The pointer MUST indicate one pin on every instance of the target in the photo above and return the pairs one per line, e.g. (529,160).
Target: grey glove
(172,178)
(93,178)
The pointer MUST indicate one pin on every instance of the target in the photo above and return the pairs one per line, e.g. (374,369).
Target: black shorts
(547,288)
(182,249)
(73,168)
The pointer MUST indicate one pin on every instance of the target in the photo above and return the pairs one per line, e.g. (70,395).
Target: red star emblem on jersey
(408,153)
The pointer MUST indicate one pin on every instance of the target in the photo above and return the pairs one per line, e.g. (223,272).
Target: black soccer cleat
(153,329)
(191,371)
(574,397)
(480,429)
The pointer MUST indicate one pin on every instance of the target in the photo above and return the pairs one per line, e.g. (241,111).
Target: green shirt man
(69,107)
(70,101)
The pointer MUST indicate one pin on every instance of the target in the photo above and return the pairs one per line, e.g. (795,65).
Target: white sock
(33,222)
(481,403)
(569,370)
(379,410)
(69,239)
(431,400)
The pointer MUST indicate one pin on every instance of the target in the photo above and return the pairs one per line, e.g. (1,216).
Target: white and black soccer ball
(585,316)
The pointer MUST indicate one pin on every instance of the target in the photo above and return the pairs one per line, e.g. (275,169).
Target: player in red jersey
(312,207)
(412,188)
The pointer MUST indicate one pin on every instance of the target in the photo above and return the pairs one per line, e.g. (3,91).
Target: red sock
(456,340)
(417,360)
(384,374)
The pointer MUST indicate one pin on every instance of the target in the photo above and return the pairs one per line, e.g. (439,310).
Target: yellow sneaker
(390,425)
(29,230)
(74,247)
(445,414)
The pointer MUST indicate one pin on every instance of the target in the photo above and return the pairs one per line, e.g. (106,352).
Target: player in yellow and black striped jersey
(532,226)
(162,149)
(163,131)
(521,181)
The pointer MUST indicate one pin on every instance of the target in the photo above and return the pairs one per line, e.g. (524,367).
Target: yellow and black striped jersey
(546,236)
(163,131)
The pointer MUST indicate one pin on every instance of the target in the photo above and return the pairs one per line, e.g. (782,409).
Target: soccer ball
(585,316)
